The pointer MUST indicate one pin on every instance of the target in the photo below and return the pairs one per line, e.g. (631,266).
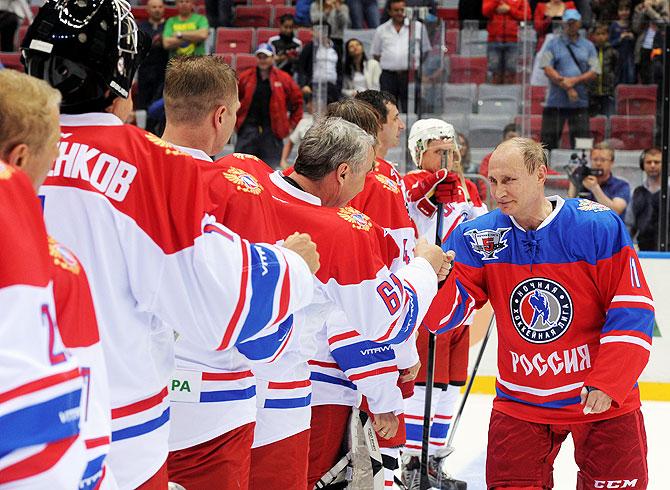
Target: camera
(578,166)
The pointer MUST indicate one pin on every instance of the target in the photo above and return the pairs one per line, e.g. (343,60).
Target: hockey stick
(454,425)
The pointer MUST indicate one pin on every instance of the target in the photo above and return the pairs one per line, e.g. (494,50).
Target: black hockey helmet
(84,47)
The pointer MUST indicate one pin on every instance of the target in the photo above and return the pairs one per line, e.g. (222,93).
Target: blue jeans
(502,58)
(363,9)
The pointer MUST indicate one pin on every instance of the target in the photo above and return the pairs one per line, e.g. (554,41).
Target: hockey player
(432,145)
(41,385)
(575,319)
(75,315)
(383,200)
(135,212)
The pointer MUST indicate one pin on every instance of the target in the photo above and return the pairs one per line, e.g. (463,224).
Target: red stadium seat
(253,16)
(20,34)
(635,132)
(228,58)
(234,40)
(635,100)
(269,2)
(140,13)
(280,10)
(449,15)
(244,61)
(451,40)
(465,69)
(598,126)
(535,95)
(11,60)
(533,124)
(265,33)
(305,35)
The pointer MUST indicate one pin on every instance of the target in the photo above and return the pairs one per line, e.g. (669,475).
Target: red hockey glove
(423,190)
(450,190)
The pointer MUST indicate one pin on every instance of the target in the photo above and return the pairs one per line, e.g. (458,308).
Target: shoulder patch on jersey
(588,205)
(357,219)
(541,310)
(488,243)
(62,257)
(244,181)
(6,171)
(246,156)
(169,149)
(388,184)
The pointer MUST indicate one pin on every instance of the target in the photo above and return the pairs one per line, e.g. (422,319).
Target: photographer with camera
(597,182)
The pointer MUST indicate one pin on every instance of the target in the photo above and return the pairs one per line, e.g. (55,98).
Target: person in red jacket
(546,14)
(504,17)
(270,108)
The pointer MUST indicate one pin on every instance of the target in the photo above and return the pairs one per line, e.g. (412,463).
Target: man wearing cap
(569,61)
(270,108)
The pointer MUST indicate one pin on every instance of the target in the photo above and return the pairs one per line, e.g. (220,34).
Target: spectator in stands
(647,17)
(335,13)
(570,62)
(433,77)
(296,136)
(601,88)
(323,67)
(643,212)
(364,10)
(466,155)
(606,189)
(219,13)
(301,15)
(503,48)
(430,17)
(286,44)
(12,15)
(547,15)
(390,46)
(270,108)
(360,73)
(470,11)
(151,74)
(185,33)
(623,40)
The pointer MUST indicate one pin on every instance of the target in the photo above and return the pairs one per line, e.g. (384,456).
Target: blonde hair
(195,86)
(532,152)
(27,105)
(603,146)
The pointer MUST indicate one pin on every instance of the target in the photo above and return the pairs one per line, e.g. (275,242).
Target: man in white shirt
(390,46)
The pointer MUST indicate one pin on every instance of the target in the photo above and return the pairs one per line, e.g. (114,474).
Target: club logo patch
(244,181)
(388,184)
(63,257)
(169,149)
(246,156)
(588,205)
(541,310)
(488,243)
(357,219)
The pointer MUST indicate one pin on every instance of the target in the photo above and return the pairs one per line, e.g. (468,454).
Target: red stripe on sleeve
(374,372)
(240,301)
(37,463)
(226,376)
(140,405)
(342,336)
(39,384)
(288,385)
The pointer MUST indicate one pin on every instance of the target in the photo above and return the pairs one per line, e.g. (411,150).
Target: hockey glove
(423,191)
(450,190)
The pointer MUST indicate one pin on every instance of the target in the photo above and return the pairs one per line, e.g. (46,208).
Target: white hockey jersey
(40,384)
(134,210)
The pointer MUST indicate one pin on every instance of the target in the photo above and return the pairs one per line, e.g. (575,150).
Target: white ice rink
(468,460)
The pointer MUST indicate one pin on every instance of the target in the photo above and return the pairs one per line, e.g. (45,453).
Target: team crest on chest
(357,219)
(244,181)
(388,184)
(541,310)
(5,171)
(588,205)
(63,257)
(488,243)
(169,149)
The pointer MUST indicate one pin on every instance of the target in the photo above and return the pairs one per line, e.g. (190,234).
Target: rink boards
(655,380)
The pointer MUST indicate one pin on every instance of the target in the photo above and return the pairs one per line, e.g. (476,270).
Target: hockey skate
(438,478)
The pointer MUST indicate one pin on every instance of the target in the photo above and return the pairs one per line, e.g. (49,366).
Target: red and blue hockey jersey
(40,384)
(571,303)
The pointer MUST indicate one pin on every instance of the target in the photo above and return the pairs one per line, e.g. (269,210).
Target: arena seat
(459,97)
(486,130)
(451,40)
(244,61)
(11,60)
(269,2)
(228,58)
(265,33)
(635,132)
(635,100)
(498,99)
(305,35)
(465,69)
(234,40)
(253,16)
(536,95)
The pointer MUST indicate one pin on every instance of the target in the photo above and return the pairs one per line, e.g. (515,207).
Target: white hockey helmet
(425,130)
